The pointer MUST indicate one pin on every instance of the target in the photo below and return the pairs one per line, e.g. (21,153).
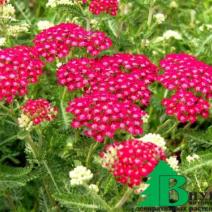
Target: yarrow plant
(156,139)
(110,74)
(131,161)
(77,73)
(82,99)
(138,65)
(80,176)
(55,42)
(39,110)
(103,6)
(185,72)
(101,114)
(191,80)
(19,67)
(186,107)
(125,87)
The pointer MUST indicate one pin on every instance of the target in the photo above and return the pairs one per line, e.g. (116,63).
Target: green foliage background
(38,181)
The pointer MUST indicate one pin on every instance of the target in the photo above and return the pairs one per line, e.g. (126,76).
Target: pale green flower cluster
(191,158)
(156,139)
(81,176)
(173,162)
(55,3)
(7,12)
(2,41)
(159,18)
(25,122)
(15,30)
(44,24)
(9,26)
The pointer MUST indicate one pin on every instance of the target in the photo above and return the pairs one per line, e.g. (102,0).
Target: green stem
(65,119)
(33,147)
(11,202)
(198,184)
(124,198)
(151,12)
(4,108)
(22,13)
(35,151)
(9,112)
(173,127)
(162,126)
(51,176)
(91,150)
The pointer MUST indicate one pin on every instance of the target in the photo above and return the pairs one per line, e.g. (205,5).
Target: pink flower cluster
(138,65)
(103,6)
(55,42)
(192,82)
(131,161)
(125,75)
(76,74)
(19,66)
(185,72)
(3,2)
(124,87)
(102,115)
(112,84)
(186,106)
(39,110)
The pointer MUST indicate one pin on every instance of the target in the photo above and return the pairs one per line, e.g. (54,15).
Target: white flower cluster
(160,18)
(44,24)
(14,30)
(94,188)
(156,139)
(169,34)
(25,122)
(2,41)
(173,162)
(205,27)
(7,12)
(172,34)
(191,158)
(55,3)
(80,175)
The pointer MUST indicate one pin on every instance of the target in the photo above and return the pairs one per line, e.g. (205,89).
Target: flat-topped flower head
(186,106)
(55,42)
(19,67)
(138,65)
(80,176)
(102,115)
(39,110)
(124,75)
(156,139)
(173,162)
(103,6)
(125,87)
(76,74)
(131,161)
(185,72)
